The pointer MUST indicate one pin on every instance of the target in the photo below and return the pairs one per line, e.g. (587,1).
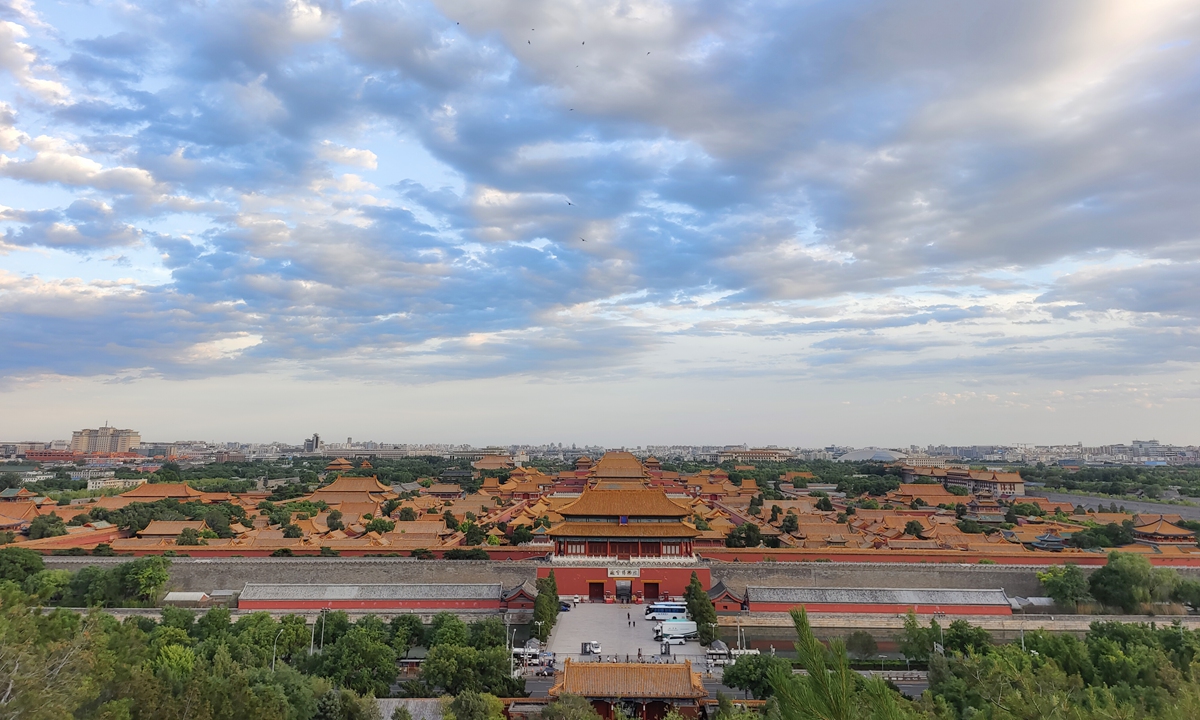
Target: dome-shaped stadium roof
(872,455)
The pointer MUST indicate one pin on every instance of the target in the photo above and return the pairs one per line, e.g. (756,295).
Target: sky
(624,223)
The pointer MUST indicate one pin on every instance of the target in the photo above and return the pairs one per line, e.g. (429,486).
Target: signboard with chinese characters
(624,572)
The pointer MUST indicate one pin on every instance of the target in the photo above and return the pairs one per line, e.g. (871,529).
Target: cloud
(21,60)
(851,190)
(347,156)
(1162,289)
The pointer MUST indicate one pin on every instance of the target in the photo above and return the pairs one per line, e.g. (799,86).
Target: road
(1093,502)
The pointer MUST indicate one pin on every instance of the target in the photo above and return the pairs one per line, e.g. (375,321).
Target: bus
(667,611)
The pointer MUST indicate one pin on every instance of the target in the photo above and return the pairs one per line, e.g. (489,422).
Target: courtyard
(609,625)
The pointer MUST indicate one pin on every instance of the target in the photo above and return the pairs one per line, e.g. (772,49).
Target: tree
(360,661)
(190,536)
(962,636)
(830,690)
(334,520)
(459,553)
(750,672)
(450,520)
(487,633)
(914,528)
(292,530)
(775,510)
(1065,584)
(791,523)
(861,644)
(746,535)
(702,610)
(825,504)
(380,525)
(1126,581)
(345,704)
(916,642)
(9,480)
(407,514)
(545,606)
(470,705)
(142,579)
(447,629)
(971,527)
(17,563)
(569,707)
(407,633)
(44,526)
(521,534)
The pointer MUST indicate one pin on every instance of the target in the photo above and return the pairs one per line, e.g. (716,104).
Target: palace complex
(616,512)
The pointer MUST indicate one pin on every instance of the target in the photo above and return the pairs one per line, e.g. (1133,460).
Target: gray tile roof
(266,591)
(419,708)
(876,596)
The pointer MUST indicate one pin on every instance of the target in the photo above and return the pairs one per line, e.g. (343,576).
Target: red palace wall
(671,581)
(414,605)
(888,609)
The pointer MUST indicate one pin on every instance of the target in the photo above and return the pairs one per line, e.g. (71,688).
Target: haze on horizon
(806,223)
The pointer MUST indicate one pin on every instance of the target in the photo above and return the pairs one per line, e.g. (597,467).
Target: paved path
(618,638)
(1093,502)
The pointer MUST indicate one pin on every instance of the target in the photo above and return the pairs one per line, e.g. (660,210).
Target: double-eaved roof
(632,502)
(875,596)
(459,591)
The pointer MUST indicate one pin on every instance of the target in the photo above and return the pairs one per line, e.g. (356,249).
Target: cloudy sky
(615,222)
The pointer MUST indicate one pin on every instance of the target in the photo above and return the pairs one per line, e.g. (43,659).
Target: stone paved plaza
(608,625)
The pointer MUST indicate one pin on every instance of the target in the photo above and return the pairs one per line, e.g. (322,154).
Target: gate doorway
(651,591)
(595,592)
(624,591)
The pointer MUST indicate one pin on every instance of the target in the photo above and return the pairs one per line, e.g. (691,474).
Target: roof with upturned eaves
(631,502)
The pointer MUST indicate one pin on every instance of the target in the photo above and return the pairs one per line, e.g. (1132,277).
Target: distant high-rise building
(313,444)
(104,440)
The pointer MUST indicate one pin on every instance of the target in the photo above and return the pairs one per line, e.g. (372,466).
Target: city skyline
(493,221)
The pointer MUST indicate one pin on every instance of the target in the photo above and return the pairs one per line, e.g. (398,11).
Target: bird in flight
(569,202)
(584,239)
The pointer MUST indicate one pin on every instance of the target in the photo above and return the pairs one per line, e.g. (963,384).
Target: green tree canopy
(1065,584)
(17,563)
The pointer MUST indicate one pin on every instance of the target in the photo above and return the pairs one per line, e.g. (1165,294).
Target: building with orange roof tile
(170,528)
(339,465)
(624,523)
(1161,532)
(652,689)
(152,492)
(17,516)
(494,462)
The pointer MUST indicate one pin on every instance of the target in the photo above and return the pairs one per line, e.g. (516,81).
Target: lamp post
(273,646)
(323,629)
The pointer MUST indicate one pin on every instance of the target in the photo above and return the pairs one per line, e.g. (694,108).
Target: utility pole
(273,646)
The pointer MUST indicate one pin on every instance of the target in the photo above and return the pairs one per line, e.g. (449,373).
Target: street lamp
(273,646)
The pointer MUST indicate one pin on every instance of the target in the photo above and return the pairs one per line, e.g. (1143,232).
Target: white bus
(667,611)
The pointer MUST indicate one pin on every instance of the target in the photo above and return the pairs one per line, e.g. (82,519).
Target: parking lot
(608,625)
